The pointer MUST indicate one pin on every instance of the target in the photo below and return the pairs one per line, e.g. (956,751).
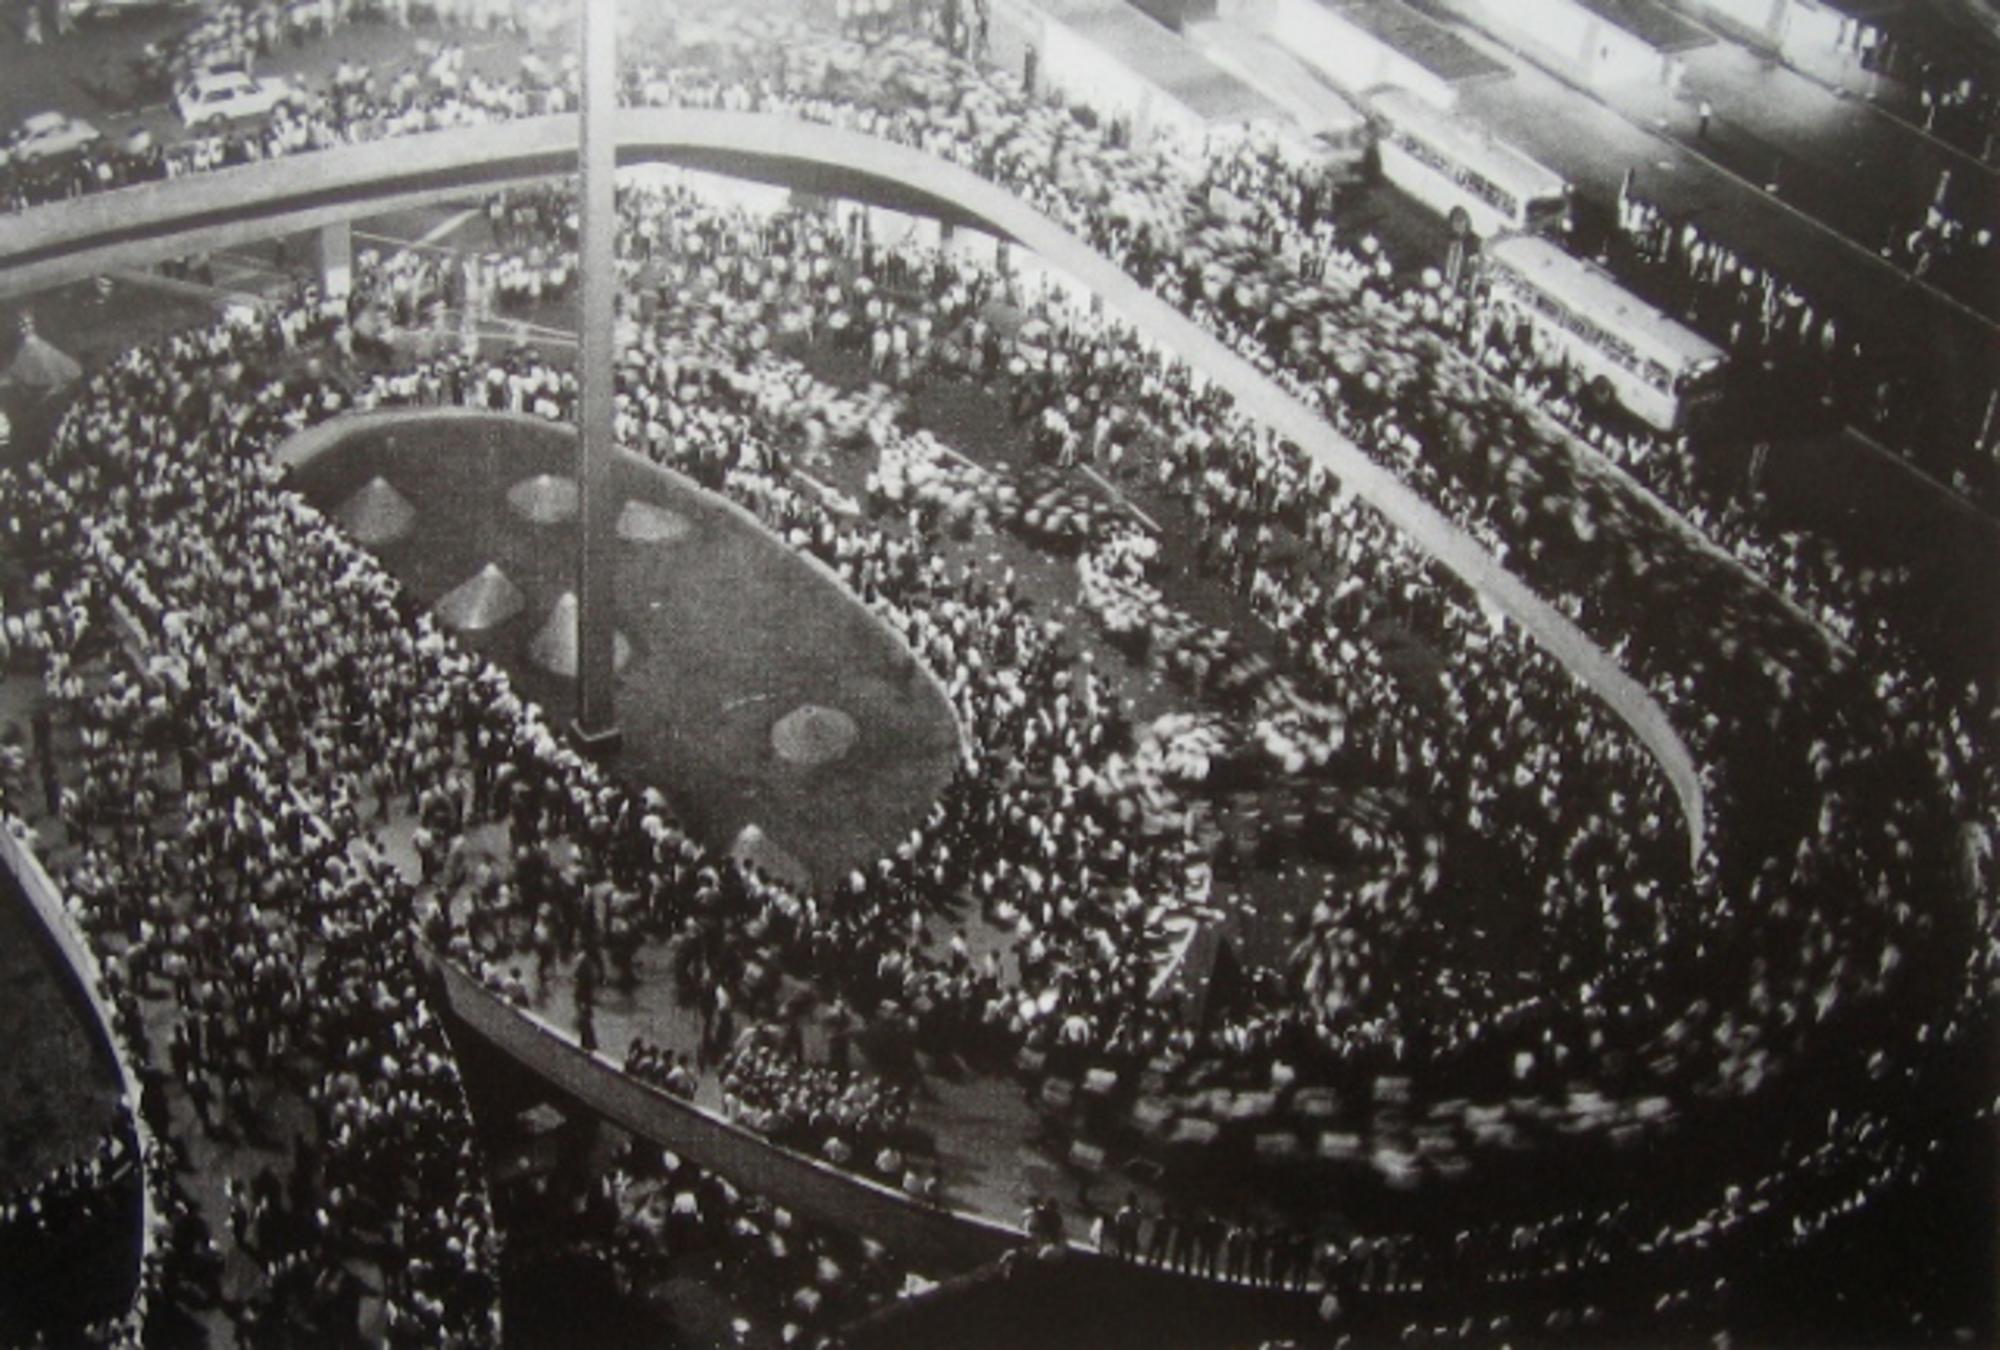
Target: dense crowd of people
(157,497)
(700,452)
(284,953)
(851,1118)
(435,92)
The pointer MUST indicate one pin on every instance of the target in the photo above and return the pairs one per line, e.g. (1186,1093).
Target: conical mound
(376,513)
(759,850)
(484,600)
(810,735)
(41,366)
(555,647)
(545,499)
(644,523)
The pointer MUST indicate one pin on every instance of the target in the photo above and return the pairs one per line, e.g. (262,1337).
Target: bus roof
(1590,290)
(1507,168)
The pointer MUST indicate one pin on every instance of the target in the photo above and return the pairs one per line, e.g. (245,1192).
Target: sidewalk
(1868,177)
(1843,76)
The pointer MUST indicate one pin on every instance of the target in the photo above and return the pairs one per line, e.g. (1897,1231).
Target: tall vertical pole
(596,719)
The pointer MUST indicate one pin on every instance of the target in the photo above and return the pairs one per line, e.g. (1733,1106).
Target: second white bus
(1659,370)
(1476,181)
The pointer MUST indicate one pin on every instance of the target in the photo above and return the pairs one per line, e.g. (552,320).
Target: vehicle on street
(47,134)
(1473,179)
(1657,369)
(229,95)
(106,9)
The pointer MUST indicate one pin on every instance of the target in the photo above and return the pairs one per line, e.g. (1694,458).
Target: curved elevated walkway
(935,1238)
(46,905)
(89,234)
(153,221)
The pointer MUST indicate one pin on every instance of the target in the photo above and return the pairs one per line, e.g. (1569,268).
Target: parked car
(225,96)
(109,9)
(49,133)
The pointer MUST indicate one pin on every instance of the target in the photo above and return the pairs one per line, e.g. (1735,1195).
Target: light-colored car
(109,9)
(229,95)
(50,133)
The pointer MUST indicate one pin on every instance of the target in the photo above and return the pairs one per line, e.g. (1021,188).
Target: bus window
(1460,171)
(1656,369)
(1700,380)
(1548,213)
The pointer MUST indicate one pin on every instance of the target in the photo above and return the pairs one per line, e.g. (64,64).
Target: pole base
(597,744)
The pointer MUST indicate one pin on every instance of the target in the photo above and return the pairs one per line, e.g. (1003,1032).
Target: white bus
(1461,171)
(1657,369)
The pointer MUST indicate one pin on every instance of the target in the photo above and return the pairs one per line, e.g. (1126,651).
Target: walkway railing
(935,1237)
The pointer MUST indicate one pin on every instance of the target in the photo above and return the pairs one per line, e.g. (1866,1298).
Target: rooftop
(1651,22)
(1423,40)
(1859,9)
(1164,60)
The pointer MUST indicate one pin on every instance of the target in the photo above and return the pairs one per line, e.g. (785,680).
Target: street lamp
(596,727)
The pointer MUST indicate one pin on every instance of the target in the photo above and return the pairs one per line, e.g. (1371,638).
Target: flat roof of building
(1859,9)
(1164,59)
(1651,22)
(1421,39)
